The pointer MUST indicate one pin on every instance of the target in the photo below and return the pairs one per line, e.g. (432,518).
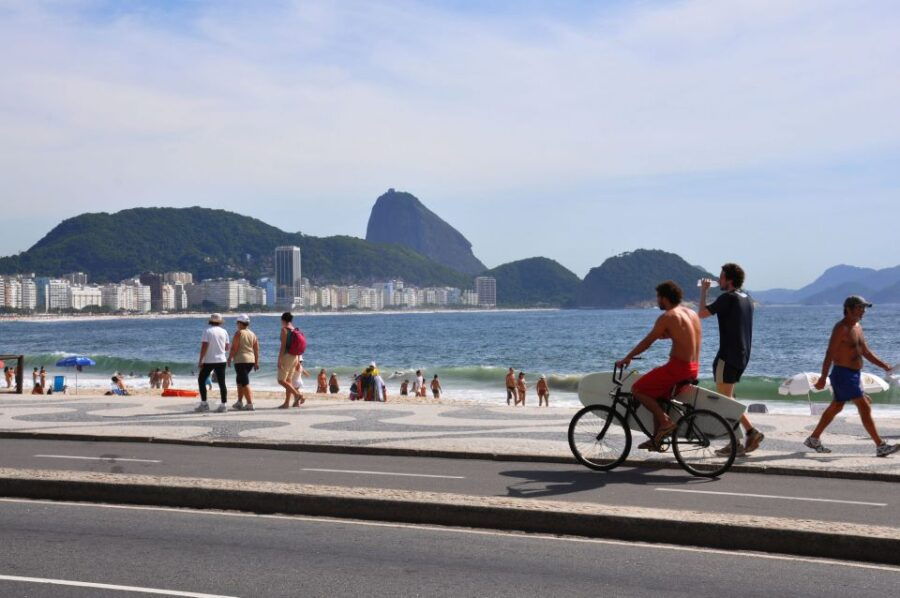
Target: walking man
(844,358)
(511,387)
(682,326)
(214,347)
(734,311)
(436,389)
(287,361)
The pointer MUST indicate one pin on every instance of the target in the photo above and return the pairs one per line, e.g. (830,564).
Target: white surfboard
(596,389)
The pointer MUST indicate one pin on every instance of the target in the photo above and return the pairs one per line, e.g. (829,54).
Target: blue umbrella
(77,362)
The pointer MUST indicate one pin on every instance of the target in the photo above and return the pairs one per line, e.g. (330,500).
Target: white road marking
(801,498)
(409,475)
(476,532)
(98,458)
(106,586)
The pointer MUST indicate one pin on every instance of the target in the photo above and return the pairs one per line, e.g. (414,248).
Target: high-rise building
(486,287)
(178,277)
(288,289)
(81,297)
(29,294)
(76,278)
(155,282)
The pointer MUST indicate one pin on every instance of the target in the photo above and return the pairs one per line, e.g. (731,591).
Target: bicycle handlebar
(617,379)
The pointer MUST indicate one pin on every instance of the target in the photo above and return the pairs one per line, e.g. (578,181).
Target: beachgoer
(354,388)
(214,345)
(244,355)
(404,388)
(35,377)
(7,373)
(37,390)
(43,378)
(543,391)
(322,382)
(682,326)
(333,384)
(299,372)
(287,362)
(117,386)
(520,389)
(734,311)
(436,389)
(422,390)
(511,387)
(844,357)
(379,388)
(166,378)
(419,383)
(366,384)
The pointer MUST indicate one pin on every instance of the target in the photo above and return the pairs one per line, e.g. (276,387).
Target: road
(216,553)
(854,501)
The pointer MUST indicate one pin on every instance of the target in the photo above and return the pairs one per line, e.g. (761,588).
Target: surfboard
(596,389)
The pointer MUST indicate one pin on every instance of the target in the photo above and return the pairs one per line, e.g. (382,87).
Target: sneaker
(816,445)
(238,406)
(203,406)
(249,407)
(222,408)
(754,439)
(739,451)
(884,449)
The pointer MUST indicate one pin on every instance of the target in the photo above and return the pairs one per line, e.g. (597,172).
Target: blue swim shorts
(845,383)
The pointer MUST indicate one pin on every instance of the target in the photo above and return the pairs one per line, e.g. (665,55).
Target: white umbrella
(801,384)
(872,383)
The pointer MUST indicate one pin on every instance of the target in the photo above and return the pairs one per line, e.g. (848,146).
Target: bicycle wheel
(599,438)
(704,444)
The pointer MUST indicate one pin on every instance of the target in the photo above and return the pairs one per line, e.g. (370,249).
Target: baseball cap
(243,319)
(855,301)
(215,319)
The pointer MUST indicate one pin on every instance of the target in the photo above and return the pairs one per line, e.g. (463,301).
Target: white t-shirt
(217,351)
(378,395)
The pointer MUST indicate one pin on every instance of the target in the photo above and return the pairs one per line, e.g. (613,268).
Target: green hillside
(630,279)
(213,243)
(536,281)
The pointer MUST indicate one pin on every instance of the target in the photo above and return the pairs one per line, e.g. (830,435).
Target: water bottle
(712,283)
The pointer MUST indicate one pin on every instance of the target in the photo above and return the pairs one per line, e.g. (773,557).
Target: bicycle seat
(679,386)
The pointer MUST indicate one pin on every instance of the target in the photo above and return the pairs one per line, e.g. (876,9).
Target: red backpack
(296,342)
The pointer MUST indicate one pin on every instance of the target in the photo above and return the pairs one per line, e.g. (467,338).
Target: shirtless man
(521,389)
(844,358)
(511,387)
(543,391)
(682,325)
(436,389)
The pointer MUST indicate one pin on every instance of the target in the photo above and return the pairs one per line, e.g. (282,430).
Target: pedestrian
(511,387)
(322,382)
(354,388)
(214,347)
(436,387)
(333,384)
(287,362)
(245,356)
(520,389)
(844,357)
(734,311)
(404,388)
(299,372)
(166,378)
(43,378)
(543,391)
(35,377)
(7,373)
(418,383)
(379,388)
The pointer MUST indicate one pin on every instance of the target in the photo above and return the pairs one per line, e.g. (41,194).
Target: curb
(729,532)
(445,454)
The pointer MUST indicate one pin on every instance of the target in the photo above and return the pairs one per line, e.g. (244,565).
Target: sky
(757,131)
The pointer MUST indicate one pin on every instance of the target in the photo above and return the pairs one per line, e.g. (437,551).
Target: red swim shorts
(659,382)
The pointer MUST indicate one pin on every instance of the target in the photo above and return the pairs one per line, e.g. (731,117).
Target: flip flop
(649,445)
(664,430)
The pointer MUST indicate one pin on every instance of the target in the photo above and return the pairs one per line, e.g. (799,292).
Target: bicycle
(703,442)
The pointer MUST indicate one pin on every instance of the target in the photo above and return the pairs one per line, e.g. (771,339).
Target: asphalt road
(238,554)
(854,501)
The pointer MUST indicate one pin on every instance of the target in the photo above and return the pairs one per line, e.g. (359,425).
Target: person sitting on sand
(333,384)
(117,387)
(37,389)
(543,391)
(322,382)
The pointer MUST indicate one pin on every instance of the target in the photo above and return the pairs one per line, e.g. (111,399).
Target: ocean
(470,351)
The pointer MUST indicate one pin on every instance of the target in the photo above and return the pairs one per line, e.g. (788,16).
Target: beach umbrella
(801,384)
(77,362)
(872,383)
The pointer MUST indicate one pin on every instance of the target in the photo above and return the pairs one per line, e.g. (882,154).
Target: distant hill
(213,243)
(889,294)
(399,217)
(629,279)
(835,281)
(536,281)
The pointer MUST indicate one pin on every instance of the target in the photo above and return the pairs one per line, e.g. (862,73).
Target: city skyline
(766,122)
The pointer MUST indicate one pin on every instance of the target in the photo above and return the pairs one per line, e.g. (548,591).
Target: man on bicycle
(682,326)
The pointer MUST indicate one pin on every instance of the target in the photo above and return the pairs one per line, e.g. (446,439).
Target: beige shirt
(244,353)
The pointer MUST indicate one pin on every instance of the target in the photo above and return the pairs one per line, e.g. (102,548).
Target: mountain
(399,217)
(213,243)
(828,287)
(889,294)
(629,279)
(536,281)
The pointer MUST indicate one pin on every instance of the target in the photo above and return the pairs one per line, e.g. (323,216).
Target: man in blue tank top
(734,311)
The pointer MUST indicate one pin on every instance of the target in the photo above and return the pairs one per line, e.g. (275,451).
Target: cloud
(108,105)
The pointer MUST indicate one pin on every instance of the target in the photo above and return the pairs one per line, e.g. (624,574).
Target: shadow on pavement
(543,483)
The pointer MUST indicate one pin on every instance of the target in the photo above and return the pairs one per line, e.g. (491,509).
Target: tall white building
(178,277)
(29,294)
(486,287)
(80,297)
(288,282)
(167,300)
